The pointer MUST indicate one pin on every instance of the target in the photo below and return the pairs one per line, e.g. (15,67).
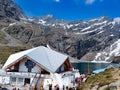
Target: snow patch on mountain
(112,35)
(115,48)
(86,28)
(100,32)
(42,22)
(69,26)
(11,24)
(117,20)
(101,23)
(88,31)
(108,56)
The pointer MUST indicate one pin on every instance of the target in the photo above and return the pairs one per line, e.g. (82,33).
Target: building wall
(36,69)
(4,79)
(23,68)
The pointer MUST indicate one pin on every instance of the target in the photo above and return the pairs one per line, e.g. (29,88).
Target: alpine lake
(84,67)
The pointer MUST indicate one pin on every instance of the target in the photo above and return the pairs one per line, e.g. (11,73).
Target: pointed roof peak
(44,56)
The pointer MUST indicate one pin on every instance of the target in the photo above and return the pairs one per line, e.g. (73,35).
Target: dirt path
(11,41)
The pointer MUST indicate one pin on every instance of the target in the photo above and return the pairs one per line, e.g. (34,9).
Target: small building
(38,68)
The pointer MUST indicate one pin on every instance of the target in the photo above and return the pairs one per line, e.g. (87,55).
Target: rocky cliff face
(95,34)
(76,38)
(8,9)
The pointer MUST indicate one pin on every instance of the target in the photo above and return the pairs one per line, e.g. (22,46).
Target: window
(27,80)
(20,79)
(13,79)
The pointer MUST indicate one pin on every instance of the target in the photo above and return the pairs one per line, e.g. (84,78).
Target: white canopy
(47,58)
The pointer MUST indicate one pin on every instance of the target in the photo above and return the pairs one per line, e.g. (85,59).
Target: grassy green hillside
(5,51)
(101,79)
(2,40)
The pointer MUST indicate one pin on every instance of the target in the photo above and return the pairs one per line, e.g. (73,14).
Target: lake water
(83,66)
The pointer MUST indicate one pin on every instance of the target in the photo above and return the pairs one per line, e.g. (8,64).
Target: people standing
(50,86)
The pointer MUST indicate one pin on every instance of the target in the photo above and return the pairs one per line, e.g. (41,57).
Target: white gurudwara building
(38,68)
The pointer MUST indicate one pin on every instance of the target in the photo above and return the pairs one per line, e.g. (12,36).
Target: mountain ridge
(92,35)
(75,38)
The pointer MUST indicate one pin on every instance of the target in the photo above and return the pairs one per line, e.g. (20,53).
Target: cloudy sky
(71,9)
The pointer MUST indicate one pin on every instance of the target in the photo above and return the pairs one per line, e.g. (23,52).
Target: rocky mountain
(75,38)
(49,20)
(8,9)
(95,34)
(78,39)
(110,54)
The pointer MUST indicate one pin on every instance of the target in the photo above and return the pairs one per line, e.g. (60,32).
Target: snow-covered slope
(108,56)
(115,49)
(117,20)
(92,26)
(49,20)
